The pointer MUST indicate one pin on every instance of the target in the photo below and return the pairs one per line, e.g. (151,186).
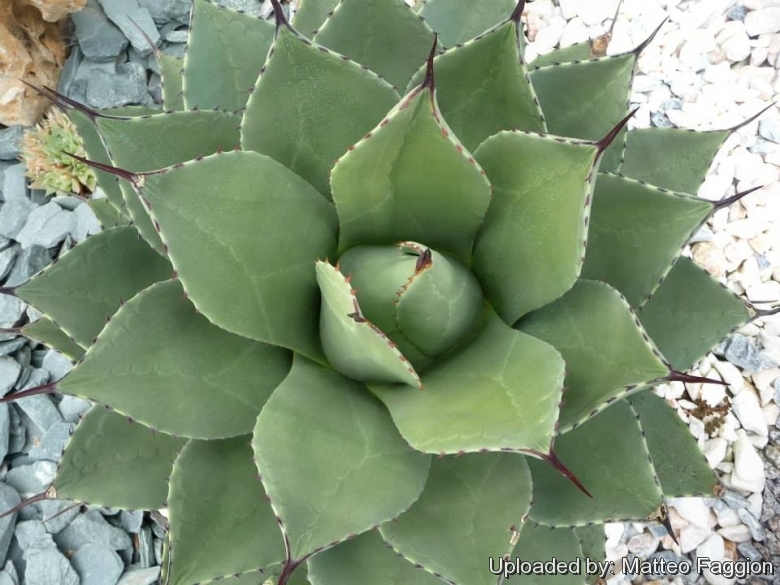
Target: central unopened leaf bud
(424,301)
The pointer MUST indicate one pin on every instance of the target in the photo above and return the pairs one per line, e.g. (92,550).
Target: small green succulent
(364,312)
(43,151)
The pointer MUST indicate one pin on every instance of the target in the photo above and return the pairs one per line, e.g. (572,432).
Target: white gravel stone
(713,548)
(694,511)
(763,20)
(747,409)
(748,472)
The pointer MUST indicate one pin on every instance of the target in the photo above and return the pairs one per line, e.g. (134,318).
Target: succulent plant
(366,311)
(43,151)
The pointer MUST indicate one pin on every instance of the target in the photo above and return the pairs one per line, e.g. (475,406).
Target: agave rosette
(367,304)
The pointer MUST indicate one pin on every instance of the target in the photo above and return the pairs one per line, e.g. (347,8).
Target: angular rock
(32,479)
(8,499)
(10,142)
(98,38)
(748,410)
(13,216)
(127,86)
(72,408)
(741,352)
(131,520)
(136,576)
(7,258)
(769,128)
(129,16)
(47,226)
(29,263)
(33,51)
(56,364)
(57,514)
(749,551)
(91,527)
(15,182)
(29,532)
(9,374)
(146,547)
(5,430)
(11,345)
(53,442)
(46,566)
(97,565)
(85,223)
(763,21)
(737,13)
(756,530)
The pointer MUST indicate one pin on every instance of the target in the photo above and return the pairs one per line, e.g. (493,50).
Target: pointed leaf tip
(49,388)
(675,376)
(424,261)
(756,313)
(429,81)
(146,37)
(552,459)
(642,46)
(753,118)
(517,13)
(24,503)
(8,290)
(281,19)
(604,143)
(64,103)
(734,198)
(121,173)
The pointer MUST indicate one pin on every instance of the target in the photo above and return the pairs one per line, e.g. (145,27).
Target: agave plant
(368,312)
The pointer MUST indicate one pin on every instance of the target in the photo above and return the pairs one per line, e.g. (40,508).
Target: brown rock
(33,50)
(54,10)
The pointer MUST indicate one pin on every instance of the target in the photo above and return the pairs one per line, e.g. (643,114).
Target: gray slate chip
(47,226)
(7,579)
(11,310)
(8,499)
(30,532)
(11,345)
(32,479)
(15,182)
(124,13)
(146,547)
(9,374)
(85,223)
(98,38)
(57,514)
(769,128)
(56,364)
(127,86)
(41,411)
(72,407)
(131,520)
(29,263)
(97,565)
(47,566)
(91,527)
(7,258)
(741,352)
(13,216)
(140,576)
(18,434)
(10,139)
(5,430)
(53,442)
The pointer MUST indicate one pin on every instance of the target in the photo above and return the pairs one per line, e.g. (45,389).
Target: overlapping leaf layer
(373,319)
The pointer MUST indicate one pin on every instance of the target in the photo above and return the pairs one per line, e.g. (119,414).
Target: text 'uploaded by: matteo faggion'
(605,569)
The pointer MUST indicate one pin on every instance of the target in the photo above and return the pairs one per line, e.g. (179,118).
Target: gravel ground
(712,66)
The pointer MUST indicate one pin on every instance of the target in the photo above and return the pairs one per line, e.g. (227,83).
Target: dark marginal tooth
(424,261)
